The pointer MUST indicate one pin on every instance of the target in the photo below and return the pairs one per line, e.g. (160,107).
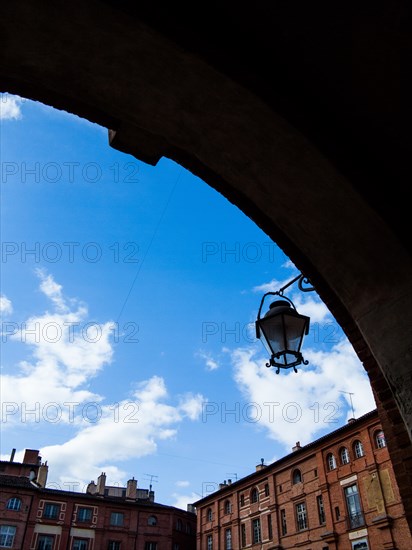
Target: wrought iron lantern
(282,328)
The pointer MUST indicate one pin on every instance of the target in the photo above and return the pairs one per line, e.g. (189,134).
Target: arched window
(358,449)
(380,440)
(14,504)
(344,455)
(254,495)
(331,461)
(297,476)
(228,507)
(209,514)
(152,520)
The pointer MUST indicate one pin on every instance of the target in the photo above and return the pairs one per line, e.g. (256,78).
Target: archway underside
(158,99)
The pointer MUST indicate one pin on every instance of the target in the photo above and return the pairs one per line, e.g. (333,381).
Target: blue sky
(128,296)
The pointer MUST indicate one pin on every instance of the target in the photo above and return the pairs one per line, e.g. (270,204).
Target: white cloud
(66,352)
(128,429)
(181,501)
(6,306)
(192,405)
(10,107)
(298,407)
(182,483)
(52,389)
(52,290)
(211,364)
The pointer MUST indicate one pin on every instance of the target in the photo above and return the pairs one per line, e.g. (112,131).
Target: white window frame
(301,517)
(331,461)
(14,504)
(7,536)
(358,449)
(344,455)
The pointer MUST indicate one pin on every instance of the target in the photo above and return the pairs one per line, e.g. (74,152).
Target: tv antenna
(350,398)
(152,478)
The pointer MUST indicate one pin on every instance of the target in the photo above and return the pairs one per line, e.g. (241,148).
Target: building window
(45,542)
(380,439)
(360,544)
(209,515)
(114,545)
(51,510)
(315,472)
(242,500)
(228,507)
(7,534)
(301,518)
(254,495)
(14,504)
(80,544)
(84,514)
(266,489)
(179,525)
(358,449)
(228,539)
(256,533)
(150,546)
(331,461)
(354,507)
(297,476)
(344,456)
(270,530)
(209,542)
(280,488)
(176,546)
(243,534)
(283,523)
(321,510)
(337,513)
(152,520)
(116,518)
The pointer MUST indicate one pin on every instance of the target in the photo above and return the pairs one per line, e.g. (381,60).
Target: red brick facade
(337,493)
(104,518)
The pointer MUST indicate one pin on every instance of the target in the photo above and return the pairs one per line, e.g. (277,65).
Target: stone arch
(298,178)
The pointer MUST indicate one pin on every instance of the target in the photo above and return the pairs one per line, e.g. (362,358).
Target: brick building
(34,517)
(336,493)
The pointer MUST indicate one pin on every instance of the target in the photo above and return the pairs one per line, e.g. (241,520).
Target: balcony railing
(356,520)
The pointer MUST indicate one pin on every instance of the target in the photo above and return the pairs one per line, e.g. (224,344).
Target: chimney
(191,509)
(229,482)
(31,456)
(42,475)
(297,446)
(222,485)
(13,452)
(101,483)
(91,488)
(351,420)
(131,489)
(261,466)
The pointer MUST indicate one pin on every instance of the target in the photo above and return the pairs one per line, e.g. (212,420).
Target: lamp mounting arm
(300,279)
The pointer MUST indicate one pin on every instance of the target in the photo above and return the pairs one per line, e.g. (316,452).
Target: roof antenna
(151,479)
(351,404)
